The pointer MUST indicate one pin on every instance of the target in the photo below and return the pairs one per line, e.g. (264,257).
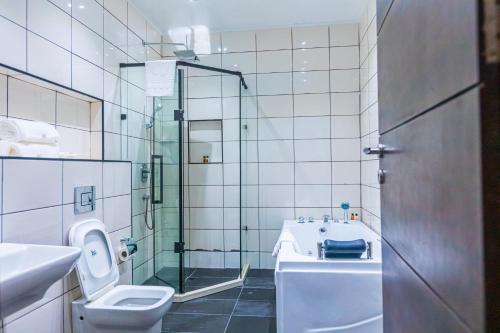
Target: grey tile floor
(247,309)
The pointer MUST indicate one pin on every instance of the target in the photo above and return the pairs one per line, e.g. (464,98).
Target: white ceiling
(239,15)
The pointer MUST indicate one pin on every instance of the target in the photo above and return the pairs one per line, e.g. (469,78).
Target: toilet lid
(96,268)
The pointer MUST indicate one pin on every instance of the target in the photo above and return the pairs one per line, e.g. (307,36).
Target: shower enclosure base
(205,291)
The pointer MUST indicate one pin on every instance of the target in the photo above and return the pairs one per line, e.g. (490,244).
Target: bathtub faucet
(301,219)
(326,218)
(311,219)
(320,250)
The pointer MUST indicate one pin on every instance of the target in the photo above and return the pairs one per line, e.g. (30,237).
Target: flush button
(84,199)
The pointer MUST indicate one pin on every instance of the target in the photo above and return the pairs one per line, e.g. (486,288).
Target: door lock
(381,176)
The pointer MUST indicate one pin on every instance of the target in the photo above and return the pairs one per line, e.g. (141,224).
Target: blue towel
(344,249)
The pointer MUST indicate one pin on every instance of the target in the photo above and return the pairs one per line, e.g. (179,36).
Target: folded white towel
(20,149)
(19,130)
(286,236)
(160,77)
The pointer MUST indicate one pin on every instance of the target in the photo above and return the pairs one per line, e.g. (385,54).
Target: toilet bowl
(106,307)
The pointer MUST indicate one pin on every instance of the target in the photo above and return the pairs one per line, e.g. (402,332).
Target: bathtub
(328,295)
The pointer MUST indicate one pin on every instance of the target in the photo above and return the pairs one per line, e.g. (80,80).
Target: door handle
(379,150)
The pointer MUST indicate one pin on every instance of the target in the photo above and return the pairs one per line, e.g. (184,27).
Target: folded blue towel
(344,249)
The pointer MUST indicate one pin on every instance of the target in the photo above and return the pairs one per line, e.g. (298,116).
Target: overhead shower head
(186,55)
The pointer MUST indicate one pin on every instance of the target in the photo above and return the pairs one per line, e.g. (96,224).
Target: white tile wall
(38,209)
(370,190)
(303,135)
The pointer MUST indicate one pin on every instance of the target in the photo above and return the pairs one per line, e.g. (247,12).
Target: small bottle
(352,217)
(205,159)
(356,216)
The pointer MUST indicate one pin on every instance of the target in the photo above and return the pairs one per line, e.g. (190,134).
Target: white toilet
(106,307)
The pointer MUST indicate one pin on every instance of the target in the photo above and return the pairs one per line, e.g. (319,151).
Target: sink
(27,271)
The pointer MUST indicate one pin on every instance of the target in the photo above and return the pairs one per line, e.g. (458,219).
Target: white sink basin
(27,271)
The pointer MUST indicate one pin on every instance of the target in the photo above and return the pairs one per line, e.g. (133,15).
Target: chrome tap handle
(320,250)
(301,219)
(369,250)
(310,219)
(326,218)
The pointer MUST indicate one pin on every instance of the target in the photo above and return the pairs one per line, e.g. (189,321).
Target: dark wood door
(438,107)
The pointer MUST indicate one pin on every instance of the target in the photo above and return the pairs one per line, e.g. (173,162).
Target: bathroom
(249,166)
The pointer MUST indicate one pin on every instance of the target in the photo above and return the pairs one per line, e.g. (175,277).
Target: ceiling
(240,15)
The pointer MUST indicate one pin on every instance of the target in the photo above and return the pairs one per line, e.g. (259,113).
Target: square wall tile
(276,151)
(46,319)
(345,127)
(15,37)
(275,106)
(272,218)
(87,77)
(38,226)
(90,13)
(116,178)
(31,190)
(346,150)
(274,39)
(14,11)
(77,174)
(243,41)
(344,173)
(310,37)
(276,196)
(317,150)
(50,22)
(206,196)
(311,59)
(274,61)
(276,173)
(311,128)
(274,84)
(87,44)
(345,103)
(204,87)
(315,82)
(344,57)
(313,173)
(243,62)
(48,60)
(344,34)
(313,195)
(344,80)
(116,219)
(118,8)
(311,105)
(275,128)
(349,193)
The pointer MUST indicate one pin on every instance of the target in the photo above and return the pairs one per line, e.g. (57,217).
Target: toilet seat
(106,307)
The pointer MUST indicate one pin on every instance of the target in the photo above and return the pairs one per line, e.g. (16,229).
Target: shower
(161,187)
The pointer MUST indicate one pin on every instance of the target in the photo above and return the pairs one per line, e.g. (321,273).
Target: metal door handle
(379,150)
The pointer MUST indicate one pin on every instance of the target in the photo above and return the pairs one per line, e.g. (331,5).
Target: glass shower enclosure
(183,254)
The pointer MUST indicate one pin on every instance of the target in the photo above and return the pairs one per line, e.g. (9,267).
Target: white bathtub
(329,295)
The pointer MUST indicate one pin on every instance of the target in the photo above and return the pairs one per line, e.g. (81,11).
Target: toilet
(104,306)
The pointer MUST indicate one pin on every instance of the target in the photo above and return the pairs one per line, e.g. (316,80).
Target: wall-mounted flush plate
(84,199)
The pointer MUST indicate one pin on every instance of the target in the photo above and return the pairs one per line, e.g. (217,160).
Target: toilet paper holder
(128,248)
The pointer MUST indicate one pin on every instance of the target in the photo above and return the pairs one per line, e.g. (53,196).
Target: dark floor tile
(258,294)
(251,325)
(255,308)
(204,306)
(259,282)
(261,273)
(217,272)
(205,281)
(154,281)
(232,293)
(194,323)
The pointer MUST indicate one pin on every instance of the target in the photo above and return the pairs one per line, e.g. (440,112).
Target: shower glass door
(166,189)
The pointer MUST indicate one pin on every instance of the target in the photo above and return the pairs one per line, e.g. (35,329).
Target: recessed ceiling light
(69,4)
(81,7)
(303,43)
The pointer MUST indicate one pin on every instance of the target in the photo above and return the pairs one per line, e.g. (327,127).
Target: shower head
(186,55)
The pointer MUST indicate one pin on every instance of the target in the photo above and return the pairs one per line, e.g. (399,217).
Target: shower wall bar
(189,64)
